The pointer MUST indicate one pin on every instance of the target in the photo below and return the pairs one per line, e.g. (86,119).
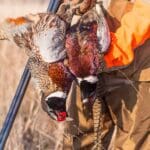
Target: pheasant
(85,43)
(43,37)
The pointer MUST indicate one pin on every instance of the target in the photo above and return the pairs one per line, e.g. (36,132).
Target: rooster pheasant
(85,43)
(43,37)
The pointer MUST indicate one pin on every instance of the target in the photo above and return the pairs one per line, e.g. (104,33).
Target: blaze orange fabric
(134,31)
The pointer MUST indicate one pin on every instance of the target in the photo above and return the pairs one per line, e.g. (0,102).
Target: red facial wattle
(61,116)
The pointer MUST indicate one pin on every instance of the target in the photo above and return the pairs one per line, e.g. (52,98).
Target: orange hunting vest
(133,32)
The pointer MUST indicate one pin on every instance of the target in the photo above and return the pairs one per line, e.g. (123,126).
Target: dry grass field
(32,129)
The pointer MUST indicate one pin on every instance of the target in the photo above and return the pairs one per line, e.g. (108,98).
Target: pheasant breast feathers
(82,50)
(60,75)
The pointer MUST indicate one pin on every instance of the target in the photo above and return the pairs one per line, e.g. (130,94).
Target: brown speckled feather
(82,50)
(44,36)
